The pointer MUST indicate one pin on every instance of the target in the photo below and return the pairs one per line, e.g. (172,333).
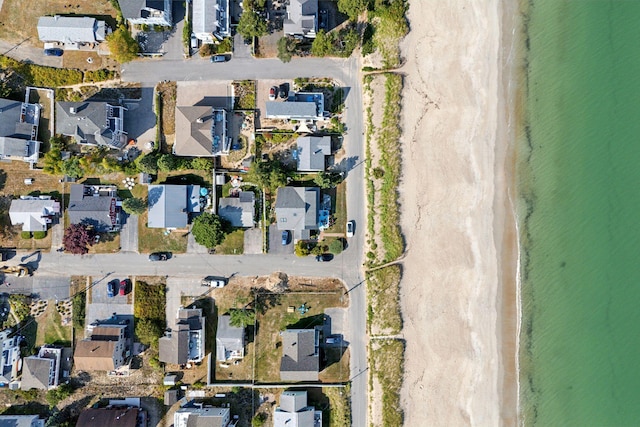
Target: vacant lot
(50,329)
(19,18)
(159,240)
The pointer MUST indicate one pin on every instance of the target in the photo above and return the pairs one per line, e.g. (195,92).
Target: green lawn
(339,208)
(50,329)
(233,243)
(157,239)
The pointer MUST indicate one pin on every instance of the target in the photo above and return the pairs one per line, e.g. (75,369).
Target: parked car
(285,237)
(125,285)
(159,256)
(111,288)
(272,93)
(194,41)
(284,90)
(333,339)
(53,52)
(351,226)
(324,258)
(214,281)
(218,58)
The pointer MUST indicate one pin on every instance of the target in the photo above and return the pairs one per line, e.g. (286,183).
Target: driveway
(23,51)
(173,46)
(253,241)
(129,233)
(275,242)
(194,247)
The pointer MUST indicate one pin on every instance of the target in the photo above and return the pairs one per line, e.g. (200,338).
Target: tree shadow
(263,299)
(3,179)
(308,322)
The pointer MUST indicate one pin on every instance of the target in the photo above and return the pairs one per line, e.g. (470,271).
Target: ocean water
(579,178)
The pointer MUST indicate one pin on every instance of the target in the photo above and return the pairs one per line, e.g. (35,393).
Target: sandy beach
(458,291)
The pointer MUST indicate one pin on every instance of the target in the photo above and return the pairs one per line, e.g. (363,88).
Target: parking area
(335,325)
(212,93)
(253,241)
(99,292)
(275,242)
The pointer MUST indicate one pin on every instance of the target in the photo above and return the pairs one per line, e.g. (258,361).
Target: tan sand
(458,289)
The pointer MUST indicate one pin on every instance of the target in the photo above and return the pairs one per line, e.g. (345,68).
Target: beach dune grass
(387,370)
(384,300)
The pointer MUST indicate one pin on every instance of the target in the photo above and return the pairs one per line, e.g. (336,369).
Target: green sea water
(579,171)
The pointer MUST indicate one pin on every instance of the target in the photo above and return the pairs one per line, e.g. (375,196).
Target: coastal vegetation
(149,312)
(387,367)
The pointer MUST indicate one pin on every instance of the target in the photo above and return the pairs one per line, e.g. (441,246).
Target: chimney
(72,110)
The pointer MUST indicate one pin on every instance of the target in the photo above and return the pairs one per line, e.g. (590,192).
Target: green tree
(55,395)
(122,46)
(168,163)
(5,89)
(323,44)
(53,162)
(147,163)
(209,230)
(251,24)
(336,246)
(134,206)
(286,48)
(259,420)
(302,248)
(353,8)
(72,168)
(270,174)
(202,163)
(242,317)
(148,331)
(327,179)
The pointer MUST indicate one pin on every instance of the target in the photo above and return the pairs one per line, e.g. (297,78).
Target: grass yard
(158,240)
(13,174)
(339,209)
(78,59)
(168,93)
(233,244)
(50,329)
(384,316)
(20,19)
(339,411)
(108,243)
(387,367)
(43,97)
(275,319)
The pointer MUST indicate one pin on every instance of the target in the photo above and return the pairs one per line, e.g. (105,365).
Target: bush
(242,317)
(336,246)
(186,35)
(25,235)
(259,420)
(209,230)
(149,331)
(99,75)
(353,8)
(168,163)
(78,309)
(147,163)
(39,235)
(302,248)
(378,172)
(286,47)
(206,50)
(202,163)
(19,306)
(225,46)
(55,395)
(134,206)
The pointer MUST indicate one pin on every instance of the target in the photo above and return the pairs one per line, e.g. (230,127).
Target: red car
(124,286)
(272,93)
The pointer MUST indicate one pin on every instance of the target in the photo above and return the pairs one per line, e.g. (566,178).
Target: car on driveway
(324,257)
(285,237)
(272,93)
(125,285)
(214,281)
(351,226)
(111,288)
(159,256)
(218,58)
(284,90)
(53,52)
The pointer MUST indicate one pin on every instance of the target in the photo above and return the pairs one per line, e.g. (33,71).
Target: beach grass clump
(391,26)
(384,300)
(339,411)
(387,369)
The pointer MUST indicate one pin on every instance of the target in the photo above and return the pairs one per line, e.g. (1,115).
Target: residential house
(297,210)
(21,421)
(300,360)
(147,12)
(202,416)
(92,123)
(71,32)
(96,206)
(201,132)
(42,371)
(106,350)
(229,340)
(112,416)
(34,213)
(186,342)
(19,131)
(10,356)
(311,153)
(300,106)
(239,211)
(294,412)
(210,20)
(170,205)
(302,18)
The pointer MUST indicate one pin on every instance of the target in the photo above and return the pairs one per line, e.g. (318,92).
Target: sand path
(454,216)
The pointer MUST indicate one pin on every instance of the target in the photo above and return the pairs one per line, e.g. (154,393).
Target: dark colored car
(53,52)
(159,256)
(111,288)
(285,237)
(284,91)
(324,258)
(125,285)
(218,58)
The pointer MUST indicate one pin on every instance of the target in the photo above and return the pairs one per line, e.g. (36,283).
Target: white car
(351,226)
(214,282)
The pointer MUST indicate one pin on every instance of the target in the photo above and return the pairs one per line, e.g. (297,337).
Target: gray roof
(99,211)
(293,400)
(301,17)
(71,29)
(92,122)
(239,211)
(297,209)
(18,125)
(300,360)
(134,9)
(203,417)
(175,348)
(21,421)
(14,147)
(201,131)
(10,116)
(312,151)
(35,372)
(170,205)
(294,110)
(211,17)
(33,212)
(228,338)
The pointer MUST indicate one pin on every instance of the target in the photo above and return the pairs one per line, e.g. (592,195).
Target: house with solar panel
(201,131)
(19,131)
(92,123)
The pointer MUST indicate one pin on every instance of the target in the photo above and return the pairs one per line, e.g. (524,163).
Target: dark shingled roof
(300,360)
(111,417)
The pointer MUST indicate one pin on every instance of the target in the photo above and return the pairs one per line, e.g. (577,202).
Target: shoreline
(459,291)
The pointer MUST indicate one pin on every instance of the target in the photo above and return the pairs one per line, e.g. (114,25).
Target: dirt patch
(168,92)
(268,45)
